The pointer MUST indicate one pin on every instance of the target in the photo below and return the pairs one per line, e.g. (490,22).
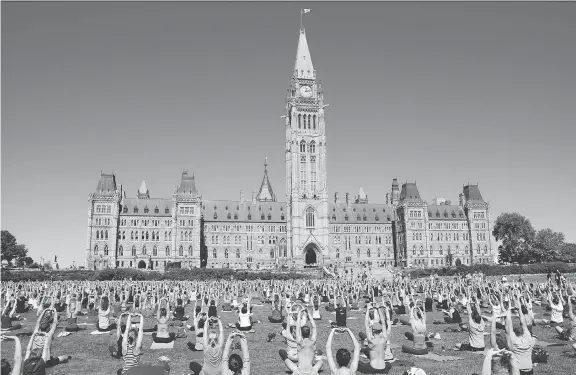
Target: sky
(438,93)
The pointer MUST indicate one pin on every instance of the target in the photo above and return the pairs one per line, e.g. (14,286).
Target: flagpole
(301,13)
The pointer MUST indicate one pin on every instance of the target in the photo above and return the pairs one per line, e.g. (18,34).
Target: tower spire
(265,193)
(303,67)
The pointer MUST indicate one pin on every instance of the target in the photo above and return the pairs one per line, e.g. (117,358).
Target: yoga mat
(85,324)
(545,344)
(100,333)
(439,358)
(156,345)
(352,317)
(64,334)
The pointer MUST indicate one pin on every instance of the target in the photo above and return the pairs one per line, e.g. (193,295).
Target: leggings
(163,340)
(275,320)
(366,368)
(243,329)
(110,327)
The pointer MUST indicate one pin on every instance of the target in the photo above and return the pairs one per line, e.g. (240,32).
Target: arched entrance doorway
(141,264)
(458,262)
(310,255)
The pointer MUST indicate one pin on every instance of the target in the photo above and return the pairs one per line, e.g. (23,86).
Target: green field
(90,352)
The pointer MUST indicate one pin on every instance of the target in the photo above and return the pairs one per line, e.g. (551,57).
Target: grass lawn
(90,352)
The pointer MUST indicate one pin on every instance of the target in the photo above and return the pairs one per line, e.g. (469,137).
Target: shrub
(135,274)
(496,270)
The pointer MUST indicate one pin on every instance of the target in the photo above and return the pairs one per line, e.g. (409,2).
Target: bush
(135,274)
(496,270)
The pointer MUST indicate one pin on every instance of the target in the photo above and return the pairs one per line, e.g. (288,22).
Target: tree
(24,261)
(547,243)
(10,248)
(517,236)
(567,253)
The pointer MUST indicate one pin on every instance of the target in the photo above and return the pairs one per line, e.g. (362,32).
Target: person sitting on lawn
(6,368)
(179,311)
(213,344)
(163,334)
(116,352)
(72,309)
(276,315)
(8,315)
(132,343)
(341,312)
(103,324)
(38,353)
(569,334)
(316,307)
(475,330)
(236,365)
(508,364)
(306,340)
(418,334)
(377,340)
(344,364)
(520,342)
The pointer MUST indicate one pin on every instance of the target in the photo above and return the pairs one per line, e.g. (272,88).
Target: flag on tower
(304,11)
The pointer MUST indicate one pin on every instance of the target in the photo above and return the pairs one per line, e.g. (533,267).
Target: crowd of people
(169,310)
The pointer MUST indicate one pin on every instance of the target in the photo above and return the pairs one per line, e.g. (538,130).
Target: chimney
(388,198)
(241,196)
(336,199)
(253,198)
(462,199)
(347,199)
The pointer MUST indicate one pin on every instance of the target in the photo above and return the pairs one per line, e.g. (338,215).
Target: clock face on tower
(306,91)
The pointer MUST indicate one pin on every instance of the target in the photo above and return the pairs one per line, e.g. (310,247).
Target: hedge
(134,274)
(496,270)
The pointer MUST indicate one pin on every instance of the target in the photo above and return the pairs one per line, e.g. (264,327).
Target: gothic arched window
(167,251)
(299,121)
(190,251)
(271,253)
(314,122)
(302,146)
(95,249)
(121,251)
(310,217)
(181,251)
(144,249)
(155,251)
(312,147)
(97,234)
(238,253)
(304,119)
(133,250)
(106,250)
(309,121)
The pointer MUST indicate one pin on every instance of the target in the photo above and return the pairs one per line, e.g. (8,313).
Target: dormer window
(249,216)
(146,210)
(269,217)
(156,210)
(125,210)
(215,216)
(229,216)
(135,210)
(376,218)
(236,216)
(358,217)
(345,217)
(166,210)
(262,217)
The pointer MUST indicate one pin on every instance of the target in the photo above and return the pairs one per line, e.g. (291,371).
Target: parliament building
(309,228)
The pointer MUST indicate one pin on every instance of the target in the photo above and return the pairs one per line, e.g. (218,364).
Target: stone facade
(145,232)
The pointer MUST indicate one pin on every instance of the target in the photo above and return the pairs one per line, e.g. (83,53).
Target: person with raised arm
(569,334)
(213,344)
(163,334)
(72,308)
(6,368)
(236,365)
(132,343)
(475,330)
(376,351)
(418,334)
(38,353)
(306,340)
(344,364)
(520,342)
(7,316)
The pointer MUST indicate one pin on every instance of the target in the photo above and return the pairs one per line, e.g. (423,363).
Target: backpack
(539,355)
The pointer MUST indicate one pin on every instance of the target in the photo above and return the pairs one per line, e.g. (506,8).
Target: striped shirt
(130,359)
